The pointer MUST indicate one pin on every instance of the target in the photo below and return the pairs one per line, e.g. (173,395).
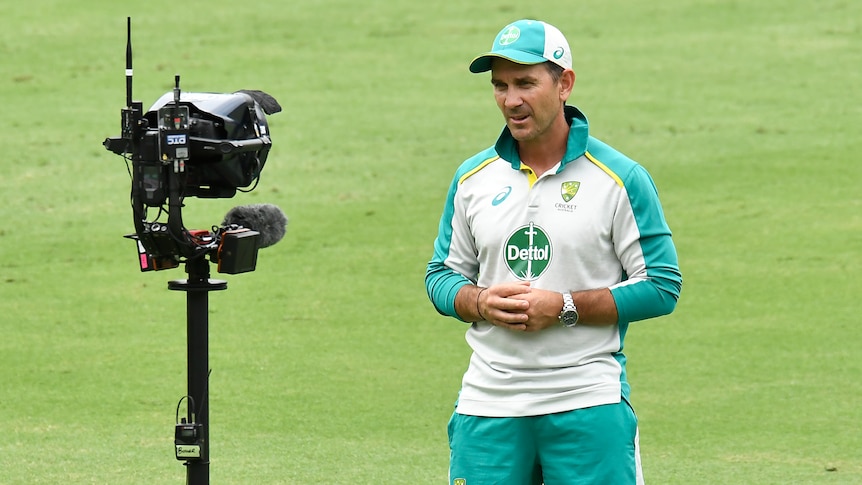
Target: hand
(505,305)
(543,308)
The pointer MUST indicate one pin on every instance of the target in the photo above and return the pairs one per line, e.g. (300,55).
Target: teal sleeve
(442,282)
(656,290)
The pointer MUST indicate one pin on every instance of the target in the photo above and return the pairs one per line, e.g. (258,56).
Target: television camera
(206,145)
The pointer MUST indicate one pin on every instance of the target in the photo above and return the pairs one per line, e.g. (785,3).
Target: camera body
(216,142)
(206,145)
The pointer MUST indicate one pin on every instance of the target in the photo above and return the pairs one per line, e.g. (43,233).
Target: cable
(206,390)
(189,409)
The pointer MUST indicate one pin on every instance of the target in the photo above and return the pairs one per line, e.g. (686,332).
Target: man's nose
(512,98)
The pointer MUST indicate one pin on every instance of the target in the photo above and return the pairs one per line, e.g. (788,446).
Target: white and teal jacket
(594,221)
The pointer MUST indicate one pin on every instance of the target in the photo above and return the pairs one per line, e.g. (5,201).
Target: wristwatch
(569,313)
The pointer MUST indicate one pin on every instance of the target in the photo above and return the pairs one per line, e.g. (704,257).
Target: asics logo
(502,196)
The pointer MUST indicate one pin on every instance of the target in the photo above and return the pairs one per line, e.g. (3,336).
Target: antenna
(128,61)
(177,89)
(132,114)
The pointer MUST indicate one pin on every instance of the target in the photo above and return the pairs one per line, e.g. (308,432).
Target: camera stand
(197,288)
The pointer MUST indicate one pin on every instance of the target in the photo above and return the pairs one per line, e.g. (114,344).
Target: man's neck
(543,153)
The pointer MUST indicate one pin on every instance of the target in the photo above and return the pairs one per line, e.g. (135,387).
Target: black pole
(197,288)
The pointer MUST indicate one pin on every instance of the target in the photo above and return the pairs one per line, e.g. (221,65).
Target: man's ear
(567,83)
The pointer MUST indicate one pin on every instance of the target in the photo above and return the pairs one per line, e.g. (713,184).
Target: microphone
(267,103)
(267,219)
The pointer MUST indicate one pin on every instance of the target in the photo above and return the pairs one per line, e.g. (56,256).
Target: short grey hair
(555,70)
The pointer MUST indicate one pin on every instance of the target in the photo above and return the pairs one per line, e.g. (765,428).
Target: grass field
(329,365)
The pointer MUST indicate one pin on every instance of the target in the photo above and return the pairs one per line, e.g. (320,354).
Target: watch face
(569,318)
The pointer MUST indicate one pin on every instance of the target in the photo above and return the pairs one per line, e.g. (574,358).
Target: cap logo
(510,35)
(558,54)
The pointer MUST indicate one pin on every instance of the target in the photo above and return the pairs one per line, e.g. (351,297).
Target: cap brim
(482,63)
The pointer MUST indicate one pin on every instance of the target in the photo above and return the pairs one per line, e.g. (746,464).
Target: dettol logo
(528,252)
(510,35)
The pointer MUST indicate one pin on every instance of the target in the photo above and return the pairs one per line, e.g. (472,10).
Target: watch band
(569,313)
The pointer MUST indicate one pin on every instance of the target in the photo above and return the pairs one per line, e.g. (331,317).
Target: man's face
(528,97)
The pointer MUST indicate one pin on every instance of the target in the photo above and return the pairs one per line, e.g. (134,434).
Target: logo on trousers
(459,481)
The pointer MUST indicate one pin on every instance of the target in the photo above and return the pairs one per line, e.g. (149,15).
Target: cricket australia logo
(569,189)
(528,252)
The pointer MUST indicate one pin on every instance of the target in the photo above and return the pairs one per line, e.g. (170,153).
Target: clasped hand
(520,307)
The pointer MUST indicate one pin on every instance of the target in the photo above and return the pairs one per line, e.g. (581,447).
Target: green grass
(329,364)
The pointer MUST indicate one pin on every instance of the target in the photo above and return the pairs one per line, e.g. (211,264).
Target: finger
(513,305)
(508,318)
(497,299)
(515,327)
(510,289)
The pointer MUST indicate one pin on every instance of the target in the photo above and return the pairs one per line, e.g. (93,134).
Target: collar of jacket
(507,147)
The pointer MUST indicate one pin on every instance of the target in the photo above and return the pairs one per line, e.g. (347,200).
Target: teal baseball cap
(526,42)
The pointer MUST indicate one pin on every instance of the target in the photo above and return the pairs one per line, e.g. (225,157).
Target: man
(551,242)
